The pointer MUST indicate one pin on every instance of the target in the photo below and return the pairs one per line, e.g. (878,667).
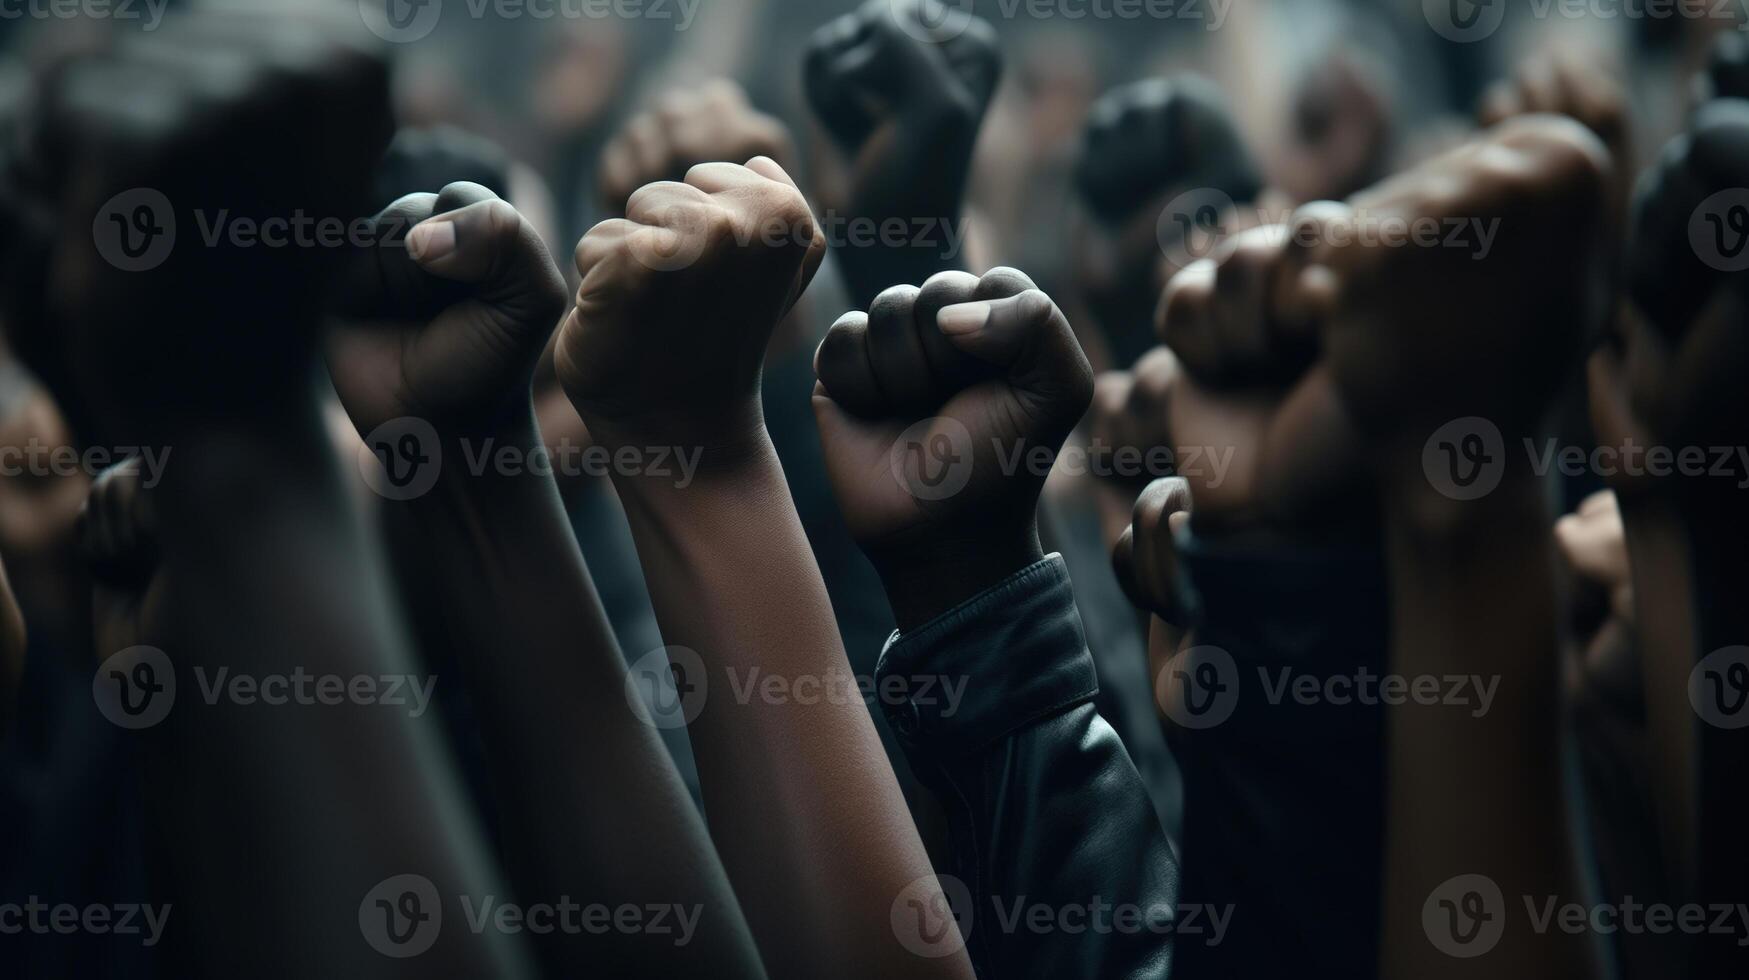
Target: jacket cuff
(1002,660)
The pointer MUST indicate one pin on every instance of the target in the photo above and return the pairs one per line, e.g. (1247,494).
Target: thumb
(489,244)
(1031,341)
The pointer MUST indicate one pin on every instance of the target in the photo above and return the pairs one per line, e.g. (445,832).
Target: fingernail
(963,318)
(431,241)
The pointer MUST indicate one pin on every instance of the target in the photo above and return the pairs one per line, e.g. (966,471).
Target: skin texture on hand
(902,101)
(709,265)
(664,348)
(687,127)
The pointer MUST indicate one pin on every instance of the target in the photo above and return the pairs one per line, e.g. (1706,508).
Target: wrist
(925,581)
(652,455)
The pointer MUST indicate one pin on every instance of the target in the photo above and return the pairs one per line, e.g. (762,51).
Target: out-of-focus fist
(447,312)
(1146,145)
(901,86)
(149,200)
(941,411)
(1419,334)
(687,127)
(678,301)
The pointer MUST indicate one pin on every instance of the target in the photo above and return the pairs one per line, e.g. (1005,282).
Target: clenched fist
(901,86)
(941,411)
(447,315)
(1422,334)
(686,128)
(678,300)
(177,211)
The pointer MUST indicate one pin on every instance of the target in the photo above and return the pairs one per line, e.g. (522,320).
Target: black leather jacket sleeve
(1054,842)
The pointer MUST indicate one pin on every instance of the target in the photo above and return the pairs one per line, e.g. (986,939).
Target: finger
(842,364)
(896,353)
(950,368)
(652,203)
(487,243)
(1028,337)
(601,241)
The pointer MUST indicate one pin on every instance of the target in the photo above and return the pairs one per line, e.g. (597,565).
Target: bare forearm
(550,686)
(800,796)
(1478,795)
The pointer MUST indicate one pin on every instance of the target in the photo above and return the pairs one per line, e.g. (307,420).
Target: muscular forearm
(558,724)
(801,799)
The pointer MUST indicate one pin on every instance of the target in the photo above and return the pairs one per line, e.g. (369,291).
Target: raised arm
(439,344)
(942,409)
(662,354)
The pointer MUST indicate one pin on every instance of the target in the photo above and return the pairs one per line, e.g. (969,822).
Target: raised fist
(178,205)
(678,301)
(1251,391)
(901,86)
(687,127)
(1146,145)
(941,411)
(447,312)
(1485,318)
(1156,137)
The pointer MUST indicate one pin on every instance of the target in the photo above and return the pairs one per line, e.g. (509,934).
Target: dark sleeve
(1055,846)
(1280,736)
